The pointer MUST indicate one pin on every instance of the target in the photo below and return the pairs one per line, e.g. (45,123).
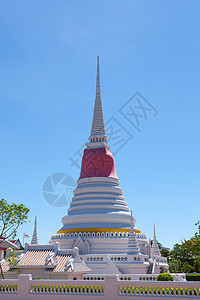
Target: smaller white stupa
(34,240)
(155,251)
(132,248)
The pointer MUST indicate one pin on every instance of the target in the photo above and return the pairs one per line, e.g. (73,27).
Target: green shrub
(193,277)
(165,277)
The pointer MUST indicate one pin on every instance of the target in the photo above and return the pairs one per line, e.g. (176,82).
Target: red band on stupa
(98,162)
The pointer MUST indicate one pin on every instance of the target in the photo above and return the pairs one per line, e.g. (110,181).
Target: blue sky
(47,71)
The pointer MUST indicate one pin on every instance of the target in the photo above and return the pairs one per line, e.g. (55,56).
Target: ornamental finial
(98,132)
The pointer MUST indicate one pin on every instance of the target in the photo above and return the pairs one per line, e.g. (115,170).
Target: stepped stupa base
(95,244)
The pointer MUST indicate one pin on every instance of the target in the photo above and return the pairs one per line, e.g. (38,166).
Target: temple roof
(35,258)
(50,258)
(8,243)
(61,261)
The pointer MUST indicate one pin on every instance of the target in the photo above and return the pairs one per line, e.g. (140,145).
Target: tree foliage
(185,257)
(186,268)
(165,253)
(11,217)
(12,258)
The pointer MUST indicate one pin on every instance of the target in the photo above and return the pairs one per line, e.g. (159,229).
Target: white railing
(137,277)
(66,287)
(149,277)
(160,288)
(94,277)
(111,288)
(8,286)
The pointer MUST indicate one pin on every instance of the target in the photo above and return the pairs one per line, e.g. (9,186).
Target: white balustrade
(104,286)
(8,286)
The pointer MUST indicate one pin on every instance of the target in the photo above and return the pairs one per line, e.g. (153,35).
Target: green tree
(197,264)
(12,256)
(165,253)
(174,265)
(198,232)
(186,268)
(186,254)
(11,217)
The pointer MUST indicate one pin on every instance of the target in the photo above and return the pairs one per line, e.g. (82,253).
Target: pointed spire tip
(154,230)
(98,132)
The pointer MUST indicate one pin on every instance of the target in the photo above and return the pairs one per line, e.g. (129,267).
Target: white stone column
(24,286)
(110,287)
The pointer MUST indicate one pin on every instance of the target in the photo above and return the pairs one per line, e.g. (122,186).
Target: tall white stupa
(98,204)
(98,207)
